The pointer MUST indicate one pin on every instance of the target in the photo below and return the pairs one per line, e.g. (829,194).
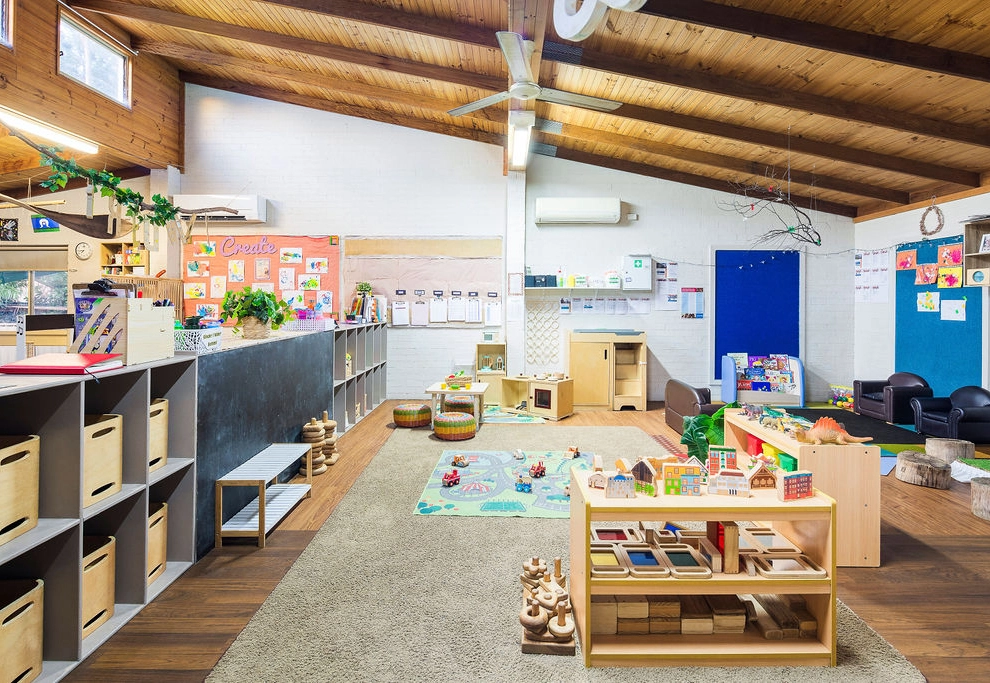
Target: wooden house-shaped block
(729,483)
(721,458)
(693,460)
(760,477)
(620,486)
(597,480)
(681,480)
(645,475)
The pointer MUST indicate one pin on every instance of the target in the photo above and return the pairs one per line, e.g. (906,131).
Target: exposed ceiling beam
(860,157)
(283,42)
(706,81)
(684,178)
(868,46)
(745,166)
(308,78)
(344,109)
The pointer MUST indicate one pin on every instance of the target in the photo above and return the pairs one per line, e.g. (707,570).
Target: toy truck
(452,478)
(538,470)
(524,484)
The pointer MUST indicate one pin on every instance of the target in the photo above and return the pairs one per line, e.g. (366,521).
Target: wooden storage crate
(19,458)
(103,461)
(132,327)
(99,575)
(21,613)
(157,540)
(157,433)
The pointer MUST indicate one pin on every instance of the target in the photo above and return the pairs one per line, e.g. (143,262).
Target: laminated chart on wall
(472,313)
(456,309)
(438,310)
(420,313)
(400,312)
(493,313)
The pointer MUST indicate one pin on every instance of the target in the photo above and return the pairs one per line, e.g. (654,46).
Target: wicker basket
(252,328)
(198,341)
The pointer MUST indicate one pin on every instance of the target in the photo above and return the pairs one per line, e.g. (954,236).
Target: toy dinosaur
(827,430)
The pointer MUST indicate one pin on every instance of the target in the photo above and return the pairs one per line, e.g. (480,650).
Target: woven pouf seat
(458,404)
(411,415)
(454,426)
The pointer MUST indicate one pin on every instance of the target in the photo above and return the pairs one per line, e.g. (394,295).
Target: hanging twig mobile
(757,199)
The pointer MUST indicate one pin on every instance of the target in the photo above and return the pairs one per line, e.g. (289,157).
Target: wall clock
(84,250)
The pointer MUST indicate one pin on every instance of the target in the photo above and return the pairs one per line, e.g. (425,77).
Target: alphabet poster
(302,270)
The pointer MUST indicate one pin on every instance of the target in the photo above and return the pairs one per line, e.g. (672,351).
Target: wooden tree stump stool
(949,450)
(923,470)
(980,501)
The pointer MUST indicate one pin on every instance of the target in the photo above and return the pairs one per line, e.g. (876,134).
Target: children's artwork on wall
(949,276)
(262,269)
(309,281)
(264,286)
(324,301)
(290,255)
(206,249)
(235,271)
(195,290)
(317,265)
(286,278)
(950,254)
(907,259)
(953,309)
(208,310)
(928,302)
(8,230)
(926,274)
(197,269)
(295,298)
(218,286)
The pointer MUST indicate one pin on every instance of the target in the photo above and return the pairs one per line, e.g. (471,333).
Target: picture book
(741,360)
(757,361)
(64,364)
(761,386)
(779,361)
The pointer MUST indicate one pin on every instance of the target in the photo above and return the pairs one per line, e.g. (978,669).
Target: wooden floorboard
(930,597)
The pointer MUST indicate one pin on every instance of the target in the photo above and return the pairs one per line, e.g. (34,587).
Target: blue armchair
(964,414)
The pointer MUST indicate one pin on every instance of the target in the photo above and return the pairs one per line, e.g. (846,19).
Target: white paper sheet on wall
(473,312)
(456,309)
(420,313)
(438,310)
(493,312)
(400,312)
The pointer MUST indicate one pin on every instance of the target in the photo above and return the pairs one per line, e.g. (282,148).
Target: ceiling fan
(525,87)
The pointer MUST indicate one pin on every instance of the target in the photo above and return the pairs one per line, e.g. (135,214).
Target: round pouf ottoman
(411,415)
(458,404)
(454,426)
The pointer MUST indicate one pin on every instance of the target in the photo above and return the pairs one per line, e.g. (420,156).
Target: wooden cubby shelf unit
(53,407)
(358,393)
(274,500)
(809,523)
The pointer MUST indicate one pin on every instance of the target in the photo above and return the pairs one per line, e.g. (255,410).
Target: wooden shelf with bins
(809,523)
(53,408)
(976,261)
(123,258)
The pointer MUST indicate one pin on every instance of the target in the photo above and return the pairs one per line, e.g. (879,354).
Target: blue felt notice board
(947,353)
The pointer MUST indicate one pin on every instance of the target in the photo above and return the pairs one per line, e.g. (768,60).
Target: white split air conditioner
(578,210)
(250,208)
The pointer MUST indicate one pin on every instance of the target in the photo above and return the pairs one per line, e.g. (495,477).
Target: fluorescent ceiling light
(24,124)
(520,130)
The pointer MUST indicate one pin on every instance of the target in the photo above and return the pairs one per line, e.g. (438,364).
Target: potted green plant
(259,311)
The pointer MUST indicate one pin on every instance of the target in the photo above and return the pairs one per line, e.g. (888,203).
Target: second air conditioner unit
(250,208)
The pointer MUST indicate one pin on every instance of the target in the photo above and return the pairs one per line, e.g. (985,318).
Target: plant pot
(254,328)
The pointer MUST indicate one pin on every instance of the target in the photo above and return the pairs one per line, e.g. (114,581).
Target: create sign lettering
(231,247)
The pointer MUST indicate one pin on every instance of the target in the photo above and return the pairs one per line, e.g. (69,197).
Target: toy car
(459,461)
(573,452)
(524,484)
(452,478)
(537,470)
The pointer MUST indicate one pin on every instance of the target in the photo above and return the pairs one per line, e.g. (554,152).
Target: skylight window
(5,10)
(93,61)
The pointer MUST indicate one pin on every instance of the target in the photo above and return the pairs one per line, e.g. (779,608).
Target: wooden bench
(274,500)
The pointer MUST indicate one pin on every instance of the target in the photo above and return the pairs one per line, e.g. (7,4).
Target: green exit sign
(638,263)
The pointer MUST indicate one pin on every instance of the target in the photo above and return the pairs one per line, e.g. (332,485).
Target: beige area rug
(382,594)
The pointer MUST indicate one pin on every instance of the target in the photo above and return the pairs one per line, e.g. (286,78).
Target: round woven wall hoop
(941,220)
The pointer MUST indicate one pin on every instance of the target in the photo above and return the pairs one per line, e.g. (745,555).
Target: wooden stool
(949,450)
(411,415)
(454,426)
(980,497)
(458,404)
(923,470)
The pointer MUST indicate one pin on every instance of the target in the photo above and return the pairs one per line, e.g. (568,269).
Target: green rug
(494,415)
(487,486)
(979,463)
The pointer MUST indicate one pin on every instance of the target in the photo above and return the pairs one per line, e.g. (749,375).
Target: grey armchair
(889,399)
(963,414)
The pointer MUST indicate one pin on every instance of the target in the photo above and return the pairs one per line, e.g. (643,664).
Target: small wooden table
(476,392)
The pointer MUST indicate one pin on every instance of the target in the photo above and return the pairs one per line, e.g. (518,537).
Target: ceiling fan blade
(574,99)
(516,56)
(479,104)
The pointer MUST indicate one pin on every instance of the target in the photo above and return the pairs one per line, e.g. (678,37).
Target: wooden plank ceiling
(858,106)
